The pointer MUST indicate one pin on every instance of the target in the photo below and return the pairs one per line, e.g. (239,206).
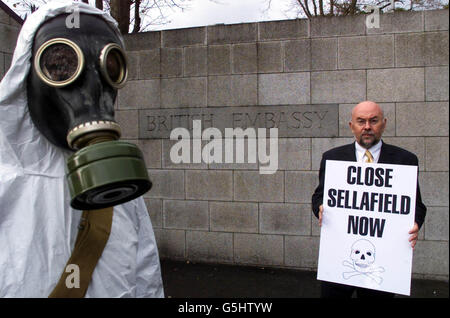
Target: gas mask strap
(93,234)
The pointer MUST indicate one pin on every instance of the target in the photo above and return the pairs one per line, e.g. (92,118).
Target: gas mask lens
(59,62)
(113,65)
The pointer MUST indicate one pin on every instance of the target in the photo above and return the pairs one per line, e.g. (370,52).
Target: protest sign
(368,211)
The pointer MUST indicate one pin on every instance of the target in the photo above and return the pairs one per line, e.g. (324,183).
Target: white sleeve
(148,270)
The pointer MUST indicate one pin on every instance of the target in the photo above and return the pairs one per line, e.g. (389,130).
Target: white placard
(368,211)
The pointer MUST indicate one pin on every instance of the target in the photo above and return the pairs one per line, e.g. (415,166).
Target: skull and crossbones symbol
(363,258)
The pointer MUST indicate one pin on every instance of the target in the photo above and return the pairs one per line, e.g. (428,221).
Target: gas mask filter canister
(103,171)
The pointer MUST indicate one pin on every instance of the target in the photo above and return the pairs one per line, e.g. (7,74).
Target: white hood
(37,225)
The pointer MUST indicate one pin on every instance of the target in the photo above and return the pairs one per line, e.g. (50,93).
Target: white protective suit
(38,227)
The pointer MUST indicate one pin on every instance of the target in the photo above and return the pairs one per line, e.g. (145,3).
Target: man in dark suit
(367,125)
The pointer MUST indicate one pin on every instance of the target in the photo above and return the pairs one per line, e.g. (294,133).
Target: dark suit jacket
(389,154)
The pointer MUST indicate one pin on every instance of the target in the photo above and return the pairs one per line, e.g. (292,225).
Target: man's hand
(414,234)
(320,214)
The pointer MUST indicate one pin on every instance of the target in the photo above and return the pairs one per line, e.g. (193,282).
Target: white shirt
(361,152)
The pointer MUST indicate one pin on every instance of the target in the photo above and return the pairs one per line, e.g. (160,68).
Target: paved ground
(190,280)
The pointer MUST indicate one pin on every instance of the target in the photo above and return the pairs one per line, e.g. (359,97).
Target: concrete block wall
(9,31)
(229,213)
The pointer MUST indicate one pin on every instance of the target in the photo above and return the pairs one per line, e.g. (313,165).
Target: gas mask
(71,88)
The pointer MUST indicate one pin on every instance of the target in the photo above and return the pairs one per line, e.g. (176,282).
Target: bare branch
(305,7)
(315,7)
(321,7)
